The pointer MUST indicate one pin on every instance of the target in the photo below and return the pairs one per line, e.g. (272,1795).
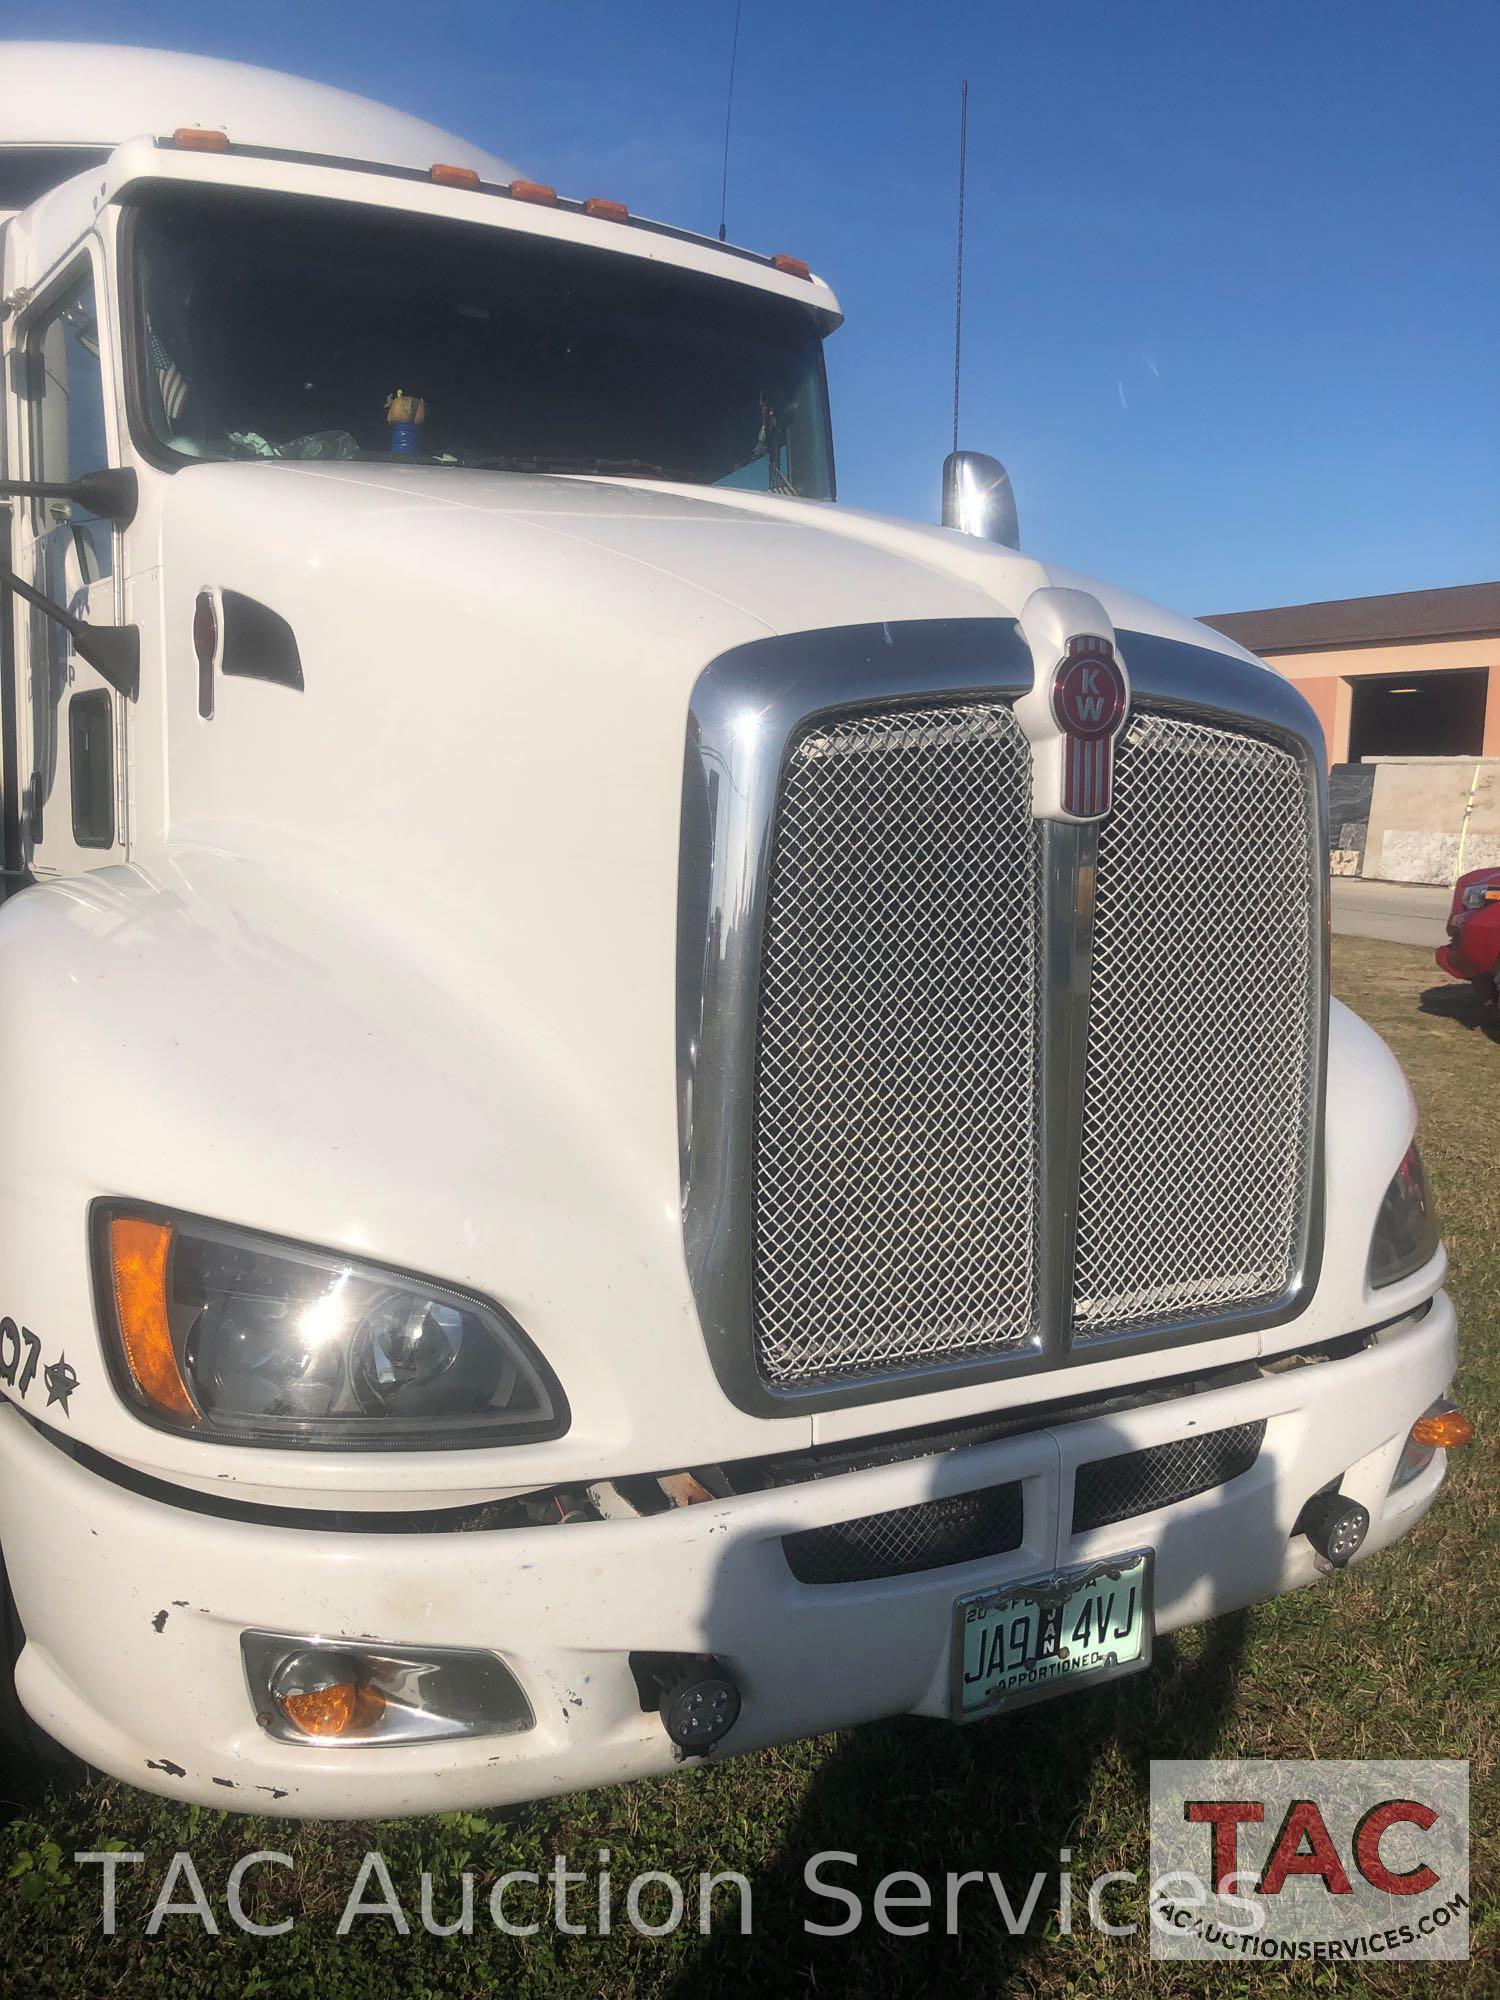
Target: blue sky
(1233,276)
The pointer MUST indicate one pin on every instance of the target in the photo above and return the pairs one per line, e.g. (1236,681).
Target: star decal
(61,1381)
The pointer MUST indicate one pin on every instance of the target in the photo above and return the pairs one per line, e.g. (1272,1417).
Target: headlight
(225,1334)
(1406,1234)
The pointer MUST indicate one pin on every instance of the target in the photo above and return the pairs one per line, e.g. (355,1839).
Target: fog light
(1335,1525)
(307,1690)
(698,1708)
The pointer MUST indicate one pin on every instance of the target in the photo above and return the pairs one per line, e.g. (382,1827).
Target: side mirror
(977,499)
(113,493)
(113,651)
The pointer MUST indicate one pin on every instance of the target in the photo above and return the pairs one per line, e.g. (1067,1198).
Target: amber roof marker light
(139,1256)
(794,267)
(606,211)
(537,191)
(453,177)
(200,139)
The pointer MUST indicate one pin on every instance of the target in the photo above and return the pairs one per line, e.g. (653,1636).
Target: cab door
(70,722)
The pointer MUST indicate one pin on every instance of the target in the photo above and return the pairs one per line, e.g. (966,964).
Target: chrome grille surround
(749,710)
(1202,1031)
(896,1119)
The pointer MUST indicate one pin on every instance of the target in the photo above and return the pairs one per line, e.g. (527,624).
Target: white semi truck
(643,1114)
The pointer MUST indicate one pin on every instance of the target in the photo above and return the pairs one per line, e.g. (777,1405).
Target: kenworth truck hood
(789,565)
(393,966)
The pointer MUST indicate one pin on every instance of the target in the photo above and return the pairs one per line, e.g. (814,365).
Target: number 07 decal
(20,1351)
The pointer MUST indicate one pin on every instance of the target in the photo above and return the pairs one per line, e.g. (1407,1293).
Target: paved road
(1404,912)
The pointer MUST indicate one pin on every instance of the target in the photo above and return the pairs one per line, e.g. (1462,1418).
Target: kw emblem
(1089,701)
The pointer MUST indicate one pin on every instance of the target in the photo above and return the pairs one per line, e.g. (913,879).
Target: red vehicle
(1473,948)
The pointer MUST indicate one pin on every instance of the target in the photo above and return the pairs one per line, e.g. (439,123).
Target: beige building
(1415,674)
(1407,688)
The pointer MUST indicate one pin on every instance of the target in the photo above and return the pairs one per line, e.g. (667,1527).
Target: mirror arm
(112,493)
(113,651)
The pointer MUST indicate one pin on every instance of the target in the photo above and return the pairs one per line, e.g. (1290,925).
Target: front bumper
(1473,947)
(134,1607)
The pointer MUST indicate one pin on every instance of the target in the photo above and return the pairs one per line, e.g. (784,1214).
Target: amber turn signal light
(332,1711)
(322,1693)
(537,191)
(453,177)
(138,1253)
(200,139)
(1446,1428)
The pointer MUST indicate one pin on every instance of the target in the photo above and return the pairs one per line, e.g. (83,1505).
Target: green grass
(1394,1660)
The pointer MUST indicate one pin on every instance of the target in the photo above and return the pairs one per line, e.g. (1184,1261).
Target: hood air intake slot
(259,645)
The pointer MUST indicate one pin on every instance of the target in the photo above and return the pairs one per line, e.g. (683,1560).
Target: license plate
(1027,1641)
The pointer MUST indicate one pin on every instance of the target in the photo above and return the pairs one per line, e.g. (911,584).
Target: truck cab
(645,1114)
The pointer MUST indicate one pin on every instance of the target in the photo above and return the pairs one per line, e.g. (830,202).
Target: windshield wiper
(522,462)
(551,462)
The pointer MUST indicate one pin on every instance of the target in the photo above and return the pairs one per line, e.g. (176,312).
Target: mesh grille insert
(1138,1482)
(1202,1029)
(962,1528)
(895,1115)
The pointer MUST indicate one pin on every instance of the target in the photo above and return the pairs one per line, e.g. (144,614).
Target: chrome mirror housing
(977,498)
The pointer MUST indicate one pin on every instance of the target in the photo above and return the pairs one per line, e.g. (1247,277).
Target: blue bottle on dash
(405,414)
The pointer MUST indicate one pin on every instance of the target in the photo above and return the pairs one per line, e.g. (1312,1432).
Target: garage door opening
(1418,715)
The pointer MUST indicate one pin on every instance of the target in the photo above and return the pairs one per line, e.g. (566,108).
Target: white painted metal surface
(92,94)
(163,1703)
(390,968)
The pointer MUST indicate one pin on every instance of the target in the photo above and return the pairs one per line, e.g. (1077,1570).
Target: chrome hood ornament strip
(1076,707)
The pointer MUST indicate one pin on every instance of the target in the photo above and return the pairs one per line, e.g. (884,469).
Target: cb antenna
(734,56)
(958,283)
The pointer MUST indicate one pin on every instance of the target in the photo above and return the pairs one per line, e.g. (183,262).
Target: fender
(207,1034)
(1371,1119)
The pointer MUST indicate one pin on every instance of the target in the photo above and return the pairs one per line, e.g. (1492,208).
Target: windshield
(276,327)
